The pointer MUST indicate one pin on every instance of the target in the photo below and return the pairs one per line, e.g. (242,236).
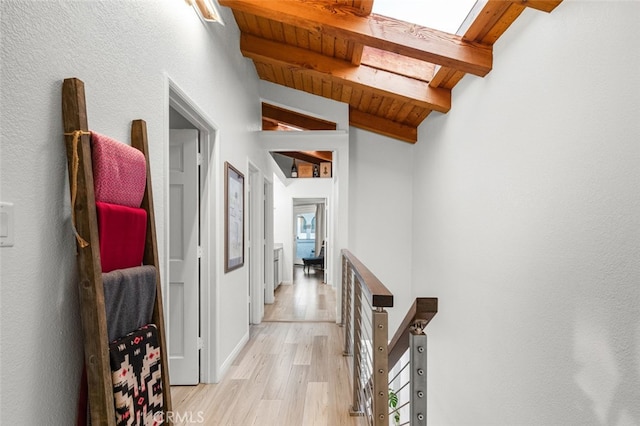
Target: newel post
(380,368)
(418,361)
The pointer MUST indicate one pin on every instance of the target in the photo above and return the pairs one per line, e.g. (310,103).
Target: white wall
(123,51)
(381,222)
(527,227)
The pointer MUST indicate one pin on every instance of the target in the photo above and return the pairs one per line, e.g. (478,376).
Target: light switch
(6,224)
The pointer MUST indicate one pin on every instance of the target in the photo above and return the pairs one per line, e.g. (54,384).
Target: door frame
(177,99)
(256,253)
(269,292)
(302,205)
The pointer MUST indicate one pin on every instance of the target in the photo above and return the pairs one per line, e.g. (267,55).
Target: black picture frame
(233,218)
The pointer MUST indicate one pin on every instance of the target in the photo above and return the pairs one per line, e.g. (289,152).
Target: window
(443,15)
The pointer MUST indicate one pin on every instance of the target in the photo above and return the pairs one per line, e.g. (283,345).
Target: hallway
(290,373)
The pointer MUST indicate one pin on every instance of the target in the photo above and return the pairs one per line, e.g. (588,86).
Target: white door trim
(209,134)
(256,258)
(301,208)
(269,297)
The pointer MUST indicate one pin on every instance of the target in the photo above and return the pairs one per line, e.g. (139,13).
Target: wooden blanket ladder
(91,295)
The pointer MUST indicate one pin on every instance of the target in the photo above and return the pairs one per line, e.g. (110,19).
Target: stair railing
(389,377)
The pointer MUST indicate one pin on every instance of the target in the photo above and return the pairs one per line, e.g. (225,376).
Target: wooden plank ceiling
(392,74)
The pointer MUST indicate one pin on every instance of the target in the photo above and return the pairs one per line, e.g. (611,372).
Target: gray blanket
(129,297)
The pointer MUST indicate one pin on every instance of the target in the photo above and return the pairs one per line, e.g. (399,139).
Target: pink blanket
(119,171)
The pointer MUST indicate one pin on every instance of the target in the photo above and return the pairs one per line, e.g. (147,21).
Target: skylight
(443,15)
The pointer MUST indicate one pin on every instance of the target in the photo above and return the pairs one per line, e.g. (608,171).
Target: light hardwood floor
(290,373)
(309,299)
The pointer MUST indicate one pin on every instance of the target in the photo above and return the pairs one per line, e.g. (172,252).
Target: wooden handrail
(380,296)
(423,310)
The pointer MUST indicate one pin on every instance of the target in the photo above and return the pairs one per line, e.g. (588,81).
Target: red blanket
(123,231)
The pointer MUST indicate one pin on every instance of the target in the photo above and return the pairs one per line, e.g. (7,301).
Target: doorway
(309,223)
(184,263)
(190,294)
(256,245)
(304,232)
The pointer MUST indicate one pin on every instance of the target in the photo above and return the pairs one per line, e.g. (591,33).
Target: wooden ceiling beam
(380,125)
(339,71)
(543,5)
(402,65)
(323,155)
(377,31)
(365,7)
(356,55)
(492,18)
(495,16)
(488,15)
(295,119)
(446,78)
(313,157)
(270,125)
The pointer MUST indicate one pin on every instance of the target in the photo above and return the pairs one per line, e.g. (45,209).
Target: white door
(183,300)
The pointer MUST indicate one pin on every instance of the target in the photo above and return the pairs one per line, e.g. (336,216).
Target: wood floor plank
(268,413)
(293,404)
(316,404)
(319,360)
(293,333)
(304,352)
(279,376)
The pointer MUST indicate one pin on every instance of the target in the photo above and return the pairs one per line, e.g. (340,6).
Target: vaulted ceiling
(392,74)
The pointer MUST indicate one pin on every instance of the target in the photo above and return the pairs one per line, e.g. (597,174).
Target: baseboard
(234,354)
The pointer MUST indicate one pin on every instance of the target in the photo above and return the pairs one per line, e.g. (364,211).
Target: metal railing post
(380,375)
(358,407)
(418,361)
(349,324)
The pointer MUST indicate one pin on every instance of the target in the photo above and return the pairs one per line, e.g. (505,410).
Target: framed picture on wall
(233,218)
(325,169)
